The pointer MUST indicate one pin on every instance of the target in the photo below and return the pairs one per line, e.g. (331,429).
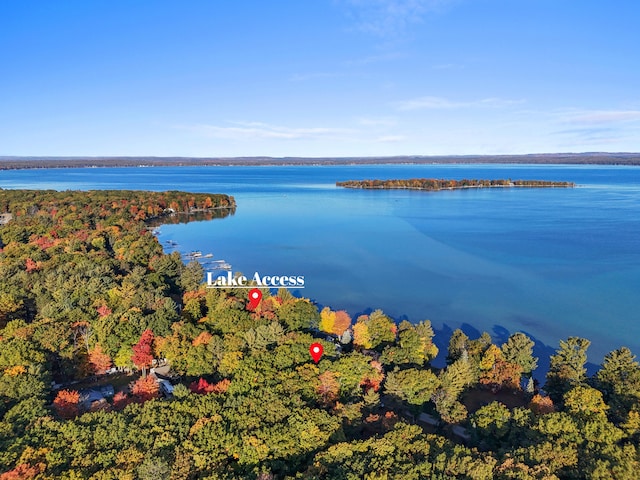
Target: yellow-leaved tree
(335,323)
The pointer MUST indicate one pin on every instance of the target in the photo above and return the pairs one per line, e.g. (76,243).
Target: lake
(549,262)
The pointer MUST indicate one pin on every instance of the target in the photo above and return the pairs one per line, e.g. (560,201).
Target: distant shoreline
(21,163)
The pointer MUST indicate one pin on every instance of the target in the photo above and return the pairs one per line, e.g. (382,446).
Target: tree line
(433,184)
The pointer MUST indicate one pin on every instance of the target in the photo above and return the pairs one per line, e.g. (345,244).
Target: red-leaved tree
(24,471)
(121,400)
(202,387)
(67,404)
(143,351)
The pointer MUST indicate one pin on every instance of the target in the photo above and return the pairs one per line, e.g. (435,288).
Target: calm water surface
(549,262)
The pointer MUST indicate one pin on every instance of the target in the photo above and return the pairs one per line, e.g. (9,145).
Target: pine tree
(567,368)
(531,388)
(519,350)
(619,381)
(458,343)
(620,373)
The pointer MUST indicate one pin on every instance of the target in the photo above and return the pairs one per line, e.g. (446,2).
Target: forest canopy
(92,311)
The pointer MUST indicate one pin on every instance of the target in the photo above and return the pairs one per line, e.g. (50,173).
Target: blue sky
(318,77)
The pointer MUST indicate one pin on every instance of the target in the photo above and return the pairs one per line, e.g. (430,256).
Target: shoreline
(436,185)
(9,162)
(457,188)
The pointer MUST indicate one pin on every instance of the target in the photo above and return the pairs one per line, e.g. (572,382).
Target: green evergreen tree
(619,380)
(567,367)
(458,344)
(519,350)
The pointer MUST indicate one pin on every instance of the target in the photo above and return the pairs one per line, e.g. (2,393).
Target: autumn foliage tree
(24,471)
(541,405)
(100,361)
(121,400)
(497,373)
(328,388)
(371,331)
(145,388)
(67,404)
(335,323)
(103,311)
(143,351)
(502,374)
(201,386)
(31,266)
(373,379)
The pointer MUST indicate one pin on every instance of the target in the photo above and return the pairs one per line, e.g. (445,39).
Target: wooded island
(433,184)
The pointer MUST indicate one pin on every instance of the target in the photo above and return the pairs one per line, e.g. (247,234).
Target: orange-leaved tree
(335,323)
(145,388)
(24,471)
(67,404)
(541,405)
(328,389)
(99,360)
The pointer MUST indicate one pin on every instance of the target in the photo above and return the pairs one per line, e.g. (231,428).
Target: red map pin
(316,351)
(255,296)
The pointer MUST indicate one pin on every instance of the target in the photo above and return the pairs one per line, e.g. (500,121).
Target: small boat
(208,255)
(222,266)
(194,254)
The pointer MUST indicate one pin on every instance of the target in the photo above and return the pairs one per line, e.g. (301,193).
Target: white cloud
(366,130)
(440,103)
(258,130)
(601,117)
(597,128)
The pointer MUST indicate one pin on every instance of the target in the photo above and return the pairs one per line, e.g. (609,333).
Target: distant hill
(591,158)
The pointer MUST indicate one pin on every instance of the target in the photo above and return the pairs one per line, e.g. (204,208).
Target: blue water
(549,262)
